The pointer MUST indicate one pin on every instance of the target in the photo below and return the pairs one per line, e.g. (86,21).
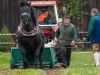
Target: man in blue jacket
(94,34)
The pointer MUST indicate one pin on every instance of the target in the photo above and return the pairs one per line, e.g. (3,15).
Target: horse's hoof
(41,66)
(23,67)
(36,66)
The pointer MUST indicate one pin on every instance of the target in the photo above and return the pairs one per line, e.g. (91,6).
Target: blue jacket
(94,29)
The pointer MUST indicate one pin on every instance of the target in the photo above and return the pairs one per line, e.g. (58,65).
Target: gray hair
(95,11)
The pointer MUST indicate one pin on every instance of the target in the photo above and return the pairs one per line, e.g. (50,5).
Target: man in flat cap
(65,36)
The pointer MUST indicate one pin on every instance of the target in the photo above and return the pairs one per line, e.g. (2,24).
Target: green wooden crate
(48,57)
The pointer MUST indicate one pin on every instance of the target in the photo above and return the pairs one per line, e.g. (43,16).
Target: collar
(65,24)
(96,15)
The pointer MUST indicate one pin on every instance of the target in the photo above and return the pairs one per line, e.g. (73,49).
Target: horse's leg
(36,61)
(25,62)
(37,53)
(40,60)
(42,48)
(30,58)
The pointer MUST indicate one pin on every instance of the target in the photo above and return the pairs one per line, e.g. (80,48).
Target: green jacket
(46,21)
(66,34)
(94,29)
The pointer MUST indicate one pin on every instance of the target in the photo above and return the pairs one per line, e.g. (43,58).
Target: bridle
(33,32)
(25,14)
(28,15)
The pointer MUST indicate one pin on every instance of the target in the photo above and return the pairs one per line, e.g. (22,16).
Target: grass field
(4,60)
(81,64)
(5,67)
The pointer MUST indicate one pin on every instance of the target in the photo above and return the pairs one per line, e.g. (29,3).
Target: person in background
(66,36)
(94,34)
(42,19)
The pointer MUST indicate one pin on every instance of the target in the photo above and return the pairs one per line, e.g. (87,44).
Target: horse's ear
(22,4)
(29,4)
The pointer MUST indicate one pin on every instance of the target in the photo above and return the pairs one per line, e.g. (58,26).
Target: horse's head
(25,12)
(28,17)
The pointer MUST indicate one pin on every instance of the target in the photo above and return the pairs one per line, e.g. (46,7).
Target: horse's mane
(24,4)
(34,16)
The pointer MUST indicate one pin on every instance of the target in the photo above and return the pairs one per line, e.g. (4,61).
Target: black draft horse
(31,39)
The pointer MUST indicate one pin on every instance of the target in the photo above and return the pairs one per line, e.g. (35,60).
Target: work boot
(64,65)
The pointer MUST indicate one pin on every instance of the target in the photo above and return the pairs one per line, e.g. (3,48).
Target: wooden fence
(9,15)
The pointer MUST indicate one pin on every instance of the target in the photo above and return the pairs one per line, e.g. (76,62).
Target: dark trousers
(65,54)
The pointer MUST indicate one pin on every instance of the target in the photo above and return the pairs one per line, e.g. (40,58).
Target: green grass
(4,60)
(5,67)
(81,64)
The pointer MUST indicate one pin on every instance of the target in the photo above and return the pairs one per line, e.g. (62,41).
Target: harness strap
(31,33)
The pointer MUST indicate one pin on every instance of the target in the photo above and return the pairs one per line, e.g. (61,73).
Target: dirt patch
(46,71)
(5,70)
(52,71)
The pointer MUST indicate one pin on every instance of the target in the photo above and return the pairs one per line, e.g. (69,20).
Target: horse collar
(31,33)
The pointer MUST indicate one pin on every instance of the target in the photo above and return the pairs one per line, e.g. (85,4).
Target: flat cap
(67,16)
